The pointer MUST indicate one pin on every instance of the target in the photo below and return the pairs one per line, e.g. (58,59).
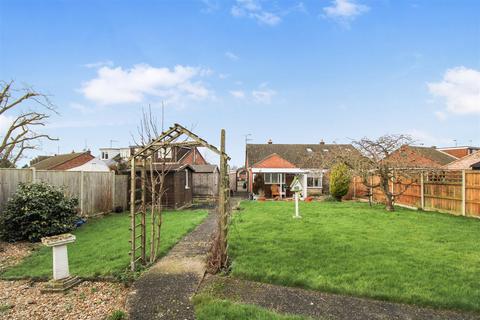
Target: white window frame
(280,178)
(164,153)
(315,177)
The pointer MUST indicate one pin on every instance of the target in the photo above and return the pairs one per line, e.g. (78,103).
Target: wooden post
(354,187)
(132,213)
(422,192)
(464,194)
(144,212)
(82,194)
(222,202)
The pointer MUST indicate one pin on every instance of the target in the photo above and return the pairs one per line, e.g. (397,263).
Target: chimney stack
(322,142)
(270,141)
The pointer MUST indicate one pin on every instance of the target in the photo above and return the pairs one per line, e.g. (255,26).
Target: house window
(104,155)
(187,185)
(274,178)
(165,153)
(314,182)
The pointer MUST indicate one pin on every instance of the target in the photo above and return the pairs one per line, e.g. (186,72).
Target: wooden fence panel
(454,192)
(97,192)
(472,194)
(9,181)
(121,192)
(68,180)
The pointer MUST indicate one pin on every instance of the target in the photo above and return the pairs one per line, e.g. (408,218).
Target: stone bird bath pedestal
(62,280)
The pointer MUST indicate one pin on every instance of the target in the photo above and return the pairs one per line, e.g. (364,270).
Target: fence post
(464,194)
(113,189)
(354,187)
(34,175)
(82,187)
(422,194)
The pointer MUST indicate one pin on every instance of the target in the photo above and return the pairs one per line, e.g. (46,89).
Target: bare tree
(380,162)
(20,134)
(154,181)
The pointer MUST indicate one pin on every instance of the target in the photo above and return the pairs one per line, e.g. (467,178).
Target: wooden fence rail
(455,192)
(97,192)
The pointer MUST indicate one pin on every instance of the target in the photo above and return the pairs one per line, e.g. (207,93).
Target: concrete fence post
(464,194)
(34,175)
(113,189)
(422,192)
(82,194)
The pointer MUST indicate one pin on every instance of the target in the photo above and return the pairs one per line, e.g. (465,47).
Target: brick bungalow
(272,167)
(422,157)
(62,161)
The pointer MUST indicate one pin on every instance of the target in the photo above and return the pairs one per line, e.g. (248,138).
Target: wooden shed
(205,181)
(178,185)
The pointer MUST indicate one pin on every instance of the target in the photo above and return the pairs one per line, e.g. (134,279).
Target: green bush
(340,179)
(37,210)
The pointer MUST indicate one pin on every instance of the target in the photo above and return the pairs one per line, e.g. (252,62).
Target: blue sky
(292,71)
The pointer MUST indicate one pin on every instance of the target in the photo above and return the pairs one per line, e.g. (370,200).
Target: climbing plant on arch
(176,135)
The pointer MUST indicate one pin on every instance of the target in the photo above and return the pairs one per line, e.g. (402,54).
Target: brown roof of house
(433,154)
(309,156)
(54,161)
(464,163)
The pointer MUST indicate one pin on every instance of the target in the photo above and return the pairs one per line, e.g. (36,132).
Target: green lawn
(349,248)
(207,308)
(102,246)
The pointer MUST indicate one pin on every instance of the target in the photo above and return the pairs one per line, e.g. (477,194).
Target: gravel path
(89,300)
(320,305)
(164,291)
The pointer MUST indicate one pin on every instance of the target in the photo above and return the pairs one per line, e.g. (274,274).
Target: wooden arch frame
(166,139)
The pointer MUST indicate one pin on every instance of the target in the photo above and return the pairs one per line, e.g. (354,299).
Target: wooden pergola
(171,138)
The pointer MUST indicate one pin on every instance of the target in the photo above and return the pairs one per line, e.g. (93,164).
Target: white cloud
(253,10)
(442,116)
(460,88)
(98,64)
(263,95)
(239,94)
(344,11)
(210,6)
(232,56)
(118,85)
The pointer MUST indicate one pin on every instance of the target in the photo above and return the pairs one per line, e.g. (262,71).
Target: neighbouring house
(177,185)
(460,152)
(205,181)
(238,180)
(470,162)
(422,157)
(272,167)
(62,161)
(94,165)
(177,154)
(109,154)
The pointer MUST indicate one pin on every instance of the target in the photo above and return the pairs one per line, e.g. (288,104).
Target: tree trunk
(388,195)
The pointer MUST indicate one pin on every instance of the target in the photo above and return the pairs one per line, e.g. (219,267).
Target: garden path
(319,305)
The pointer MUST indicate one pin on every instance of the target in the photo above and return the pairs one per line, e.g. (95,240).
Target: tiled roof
(464,163)
(433,154)
(54,161)
(309,156)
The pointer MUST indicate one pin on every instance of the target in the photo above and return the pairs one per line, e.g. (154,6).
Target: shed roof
(204,168)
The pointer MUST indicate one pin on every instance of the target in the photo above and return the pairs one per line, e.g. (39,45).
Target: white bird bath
(61,274)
